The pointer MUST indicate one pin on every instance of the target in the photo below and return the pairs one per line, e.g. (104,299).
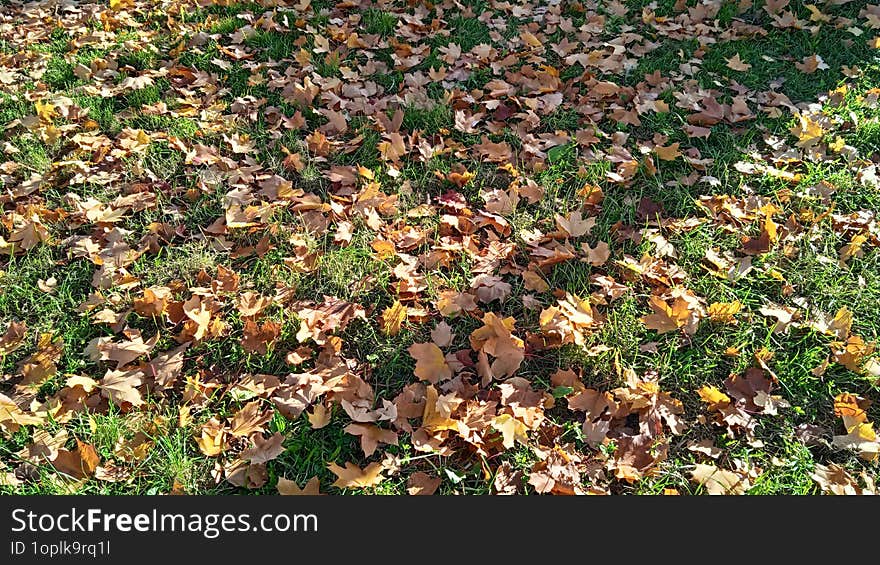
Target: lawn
(455,248)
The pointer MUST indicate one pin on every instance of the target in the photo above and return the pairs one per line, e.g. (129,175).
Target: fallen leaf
(371,436)
(420,483)
(719,481)
(290,488)
(352,476)
(431,364)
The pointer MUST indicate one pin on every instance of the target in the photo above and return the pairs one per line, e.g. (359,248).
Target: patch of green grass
(378,22)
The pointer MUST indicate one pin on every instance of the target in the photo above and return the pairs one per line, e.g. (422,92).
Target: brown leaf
(319,417)
(442,335)
(13,338)
(264,450)
(352,476)
(79,463)
(211,440)
(737,64)
(371,436)
(420,483)
(200,314)
(249,419)
(597,256)
(575,225)
(166,368)
(834,479)
(431,364)
(259,338)
(290,488)
(122,387)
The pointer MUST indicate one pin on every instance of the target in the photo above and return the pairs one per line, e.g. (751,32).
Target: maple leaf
(713,397)
(785,316)
(489,288)
(494,152)
(319,417)
(371,436)
(442,335)
(392,318)
(79,463)
(121,387)
(670,153)
(265,449)
(597,256)
(852,353)
(134,140)
(45,110)
(30,233)
(668,318)
(431,364)
(251,304)
(512,430)
(811,64)
(40,366)
(166,368)
(249,419)
(724,312)
(123,352)
(719,481)
(198,312)
(495,338)
(808,131)
(153,303)
(211,440)
(287,487)
(451,303)
(835,479)
(259,338)
(352,476)
(12,417)
(737,64)
(534,281)
(575,225)
(860,434)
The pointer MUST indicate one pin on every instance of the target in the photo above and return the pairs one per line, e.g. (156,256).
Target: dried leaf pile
(411,247)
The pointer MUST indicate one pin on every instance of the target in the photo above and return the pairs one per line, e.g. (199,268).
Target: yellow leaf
(713,397)
(808,131)
(212,439)
(117,5)
(724,312)
(511,429)
(45,110)
(392,318)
